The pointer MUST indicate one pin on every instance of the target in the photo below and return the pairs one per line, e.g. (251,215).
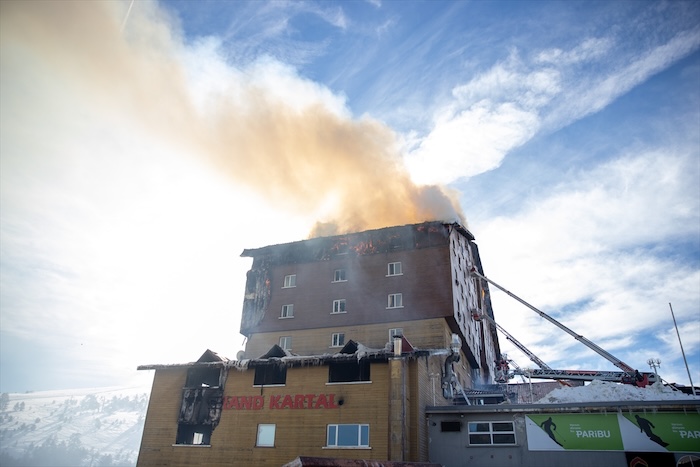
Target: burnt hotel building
(349,339)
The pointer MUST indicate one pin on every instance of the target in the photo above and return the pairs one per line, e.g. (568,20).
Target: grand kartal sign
(297,401)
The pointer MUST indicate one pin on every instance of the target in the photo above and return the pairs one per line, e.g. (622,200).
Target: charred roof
(406,237)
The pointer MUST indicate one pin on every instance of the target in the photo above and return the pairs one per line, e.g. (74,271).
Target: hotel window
(287,311)
(270,374)
(339,306)
(488,433)
(337,339)
(290,281)
(395,301)
(266,435)
(339,275)
(395,332)
(286,342)
(347,436)
(193,434)
(348,371)
(394,269)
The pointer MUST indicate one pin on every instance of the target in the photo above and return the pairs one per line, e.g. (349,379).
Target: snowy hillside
(84,427)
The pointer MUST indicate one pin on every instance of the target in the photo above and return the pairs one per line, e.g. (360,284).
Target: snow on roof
(599,391)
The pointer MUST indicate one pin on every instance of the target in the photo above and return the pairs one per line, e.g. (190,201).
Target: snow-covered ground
(100,426)
(600,391)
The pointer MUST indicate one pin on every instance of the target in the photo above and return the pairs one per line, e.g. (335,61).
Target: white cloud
(591,253)
(591,48)
(507,105)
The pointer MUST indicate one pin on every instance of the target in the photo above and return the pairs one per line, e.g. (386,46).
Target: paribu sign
(296,401)
(641,432)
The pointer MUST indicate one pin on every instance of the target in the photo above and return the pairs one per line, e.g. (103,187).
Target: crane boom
(591,345)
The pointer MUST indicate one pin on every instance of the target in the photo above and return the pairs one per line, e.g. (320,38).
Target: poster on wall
(631,431)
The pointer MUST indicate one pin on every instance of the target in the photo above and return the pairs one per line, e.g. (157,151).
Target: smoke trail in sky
(290,140)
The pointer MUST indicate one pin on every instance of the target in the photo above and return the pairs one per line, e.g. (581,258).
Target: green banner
(630,431)
(677,432)
(581,432)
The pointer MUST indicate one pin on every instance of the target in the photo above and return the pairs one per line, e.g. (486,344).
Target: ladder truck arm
(517,343)
(631,372)
(582,375)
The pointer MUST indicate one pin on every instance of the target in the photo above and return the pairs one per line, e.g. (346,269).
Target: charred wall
(272,263)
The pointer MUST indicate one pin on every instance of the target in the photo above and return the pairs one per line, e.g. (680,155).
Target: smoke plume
(289,139)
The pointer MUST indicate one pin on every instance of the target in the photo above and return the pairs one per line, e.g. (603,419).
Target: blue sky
(144,145)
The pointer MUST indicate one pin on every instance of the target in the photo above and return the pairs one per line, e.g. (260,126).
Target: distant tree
(89,403)
(4,400)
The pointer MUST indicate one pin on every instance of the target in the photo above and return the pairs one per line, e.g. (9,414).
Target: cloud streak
(504,107)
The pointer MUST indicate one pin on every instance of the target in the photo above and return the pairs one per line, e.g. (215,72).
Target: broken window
(270,373)
(287,311)
(290,281)
(194,434)
(394,269)
(348,371)
(203,377)
(339,306)
(339,275)
(337,339)
(200,412)
(395,300)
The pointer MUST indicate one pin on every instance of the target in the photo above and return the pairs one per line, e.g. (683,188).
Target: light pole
(654,363)
(692,388)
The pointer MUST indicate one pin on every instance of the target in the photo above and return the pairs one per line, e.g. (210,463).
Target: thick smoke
(263,126)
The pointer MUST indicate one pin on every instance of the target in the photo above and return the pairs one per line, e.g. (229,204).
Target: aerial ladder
(628,374)
(503,374)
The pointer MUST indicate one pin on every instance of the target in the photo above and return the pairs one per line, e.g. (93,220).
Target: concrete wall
(453,448)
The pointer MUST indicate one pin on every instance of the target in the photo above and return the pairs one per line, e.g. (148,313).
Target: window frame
(392,300)
(285,339)
(335,428)
(391,269)
(349,372)
(258,444)
(287,311)
(340,275)
(491,432)
(269,375)
(339,302)
(337,339)
(188,433)
(395,332)
(290,281)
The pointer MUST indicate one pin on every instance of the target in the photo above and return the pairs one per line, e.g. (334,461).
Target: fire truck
(628,375)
